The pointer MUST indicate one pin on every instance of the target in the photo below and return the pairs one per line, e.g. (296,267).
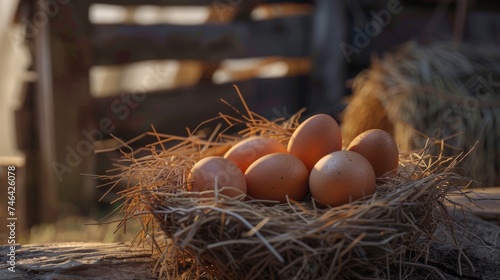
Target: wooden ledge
(122,261)
(79,260)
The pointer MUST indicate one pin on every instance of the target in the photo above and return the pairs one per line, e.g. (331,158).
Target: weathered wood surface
(236,3)
(121,43)
(120,261)
(484,203)
(79,261)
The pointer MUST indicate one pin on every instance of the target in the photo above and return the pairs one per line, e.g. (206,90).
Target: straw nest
(442,90)
(219,237)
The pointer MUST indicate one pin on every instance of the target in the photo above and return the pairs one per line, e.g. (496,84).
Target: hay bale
(230,238)
(442,91)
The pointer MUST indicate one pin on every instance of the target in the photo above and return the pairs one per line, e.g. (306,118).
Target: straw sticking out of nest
(226,238)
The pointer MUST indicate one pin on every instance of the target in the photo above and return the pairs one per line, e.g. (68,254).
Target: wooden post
(70,48)
(62,64)
(47,184)
(327,77)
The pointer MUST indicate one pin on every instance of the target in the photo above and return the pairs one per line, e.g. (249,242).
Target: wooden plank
(156,2)
(484,203)
(79,261)
(117,44)
(173,110)
(230,3)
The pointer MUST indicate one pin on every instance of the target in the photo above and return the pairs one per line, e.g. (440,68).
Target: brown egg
(379,148)
(341,177)
(274,176)
(215,171)
(249,150)
(316,137)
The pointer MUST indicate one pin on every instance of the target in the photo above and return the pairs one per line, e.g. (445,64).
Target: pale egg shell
(276,176)
(249,150)
(341,177)
(316,137)
(214,171)
(379,148)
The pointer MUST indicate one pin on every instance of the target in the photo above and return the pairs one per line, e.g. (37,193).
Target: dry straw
(218,237)
(442,90)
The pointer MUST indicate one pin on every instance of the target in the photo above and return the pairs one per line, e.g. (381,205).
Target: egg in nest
(216,173)
(379,148)
(341,177)
(276,177)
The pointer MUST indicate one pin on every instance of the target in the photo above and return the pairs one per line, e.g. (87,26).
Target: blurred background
(75,72)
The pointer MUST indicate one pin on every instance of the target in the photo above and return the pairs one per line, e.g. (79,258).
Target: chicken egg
(249,150)
(316,137)
(379,148)
(341,177)
(217,172)
(276,176)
